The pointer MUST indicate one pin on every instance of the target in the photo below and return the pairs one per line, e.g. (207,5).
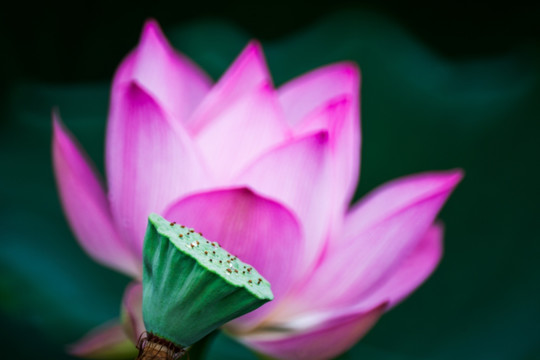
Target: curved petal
(378,235)
(298,175)
(247,73)
(301,96)
(108,341)
(171,78)
(412,271)
(328,99)
(132,319)
(259,231)
(335,118)
(150,162)
(330,89)
(242,132)
(391,198)
(407,277)
(86,205)
(324,340)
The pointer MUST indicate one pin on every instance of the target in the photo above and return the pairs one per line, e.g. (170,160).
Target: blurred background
(453,84)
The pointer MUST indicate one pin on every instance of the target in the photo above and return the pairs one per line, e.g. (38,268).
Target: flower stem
(199,350)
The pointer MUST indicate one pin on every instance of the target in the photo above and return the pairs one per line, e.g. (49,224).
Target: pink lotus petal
(298,175)
(150,162)
(335,117)
(132,319)
(248,72)
(242,132)
(325,340)
(259,231)
(328,99)
(406,278)
(379,234)
(412,271)
(108,341)
(170,78)
(86,205)
(312,91)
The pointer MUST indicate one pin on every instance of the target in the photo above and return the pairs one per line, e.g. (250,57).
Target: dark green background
(451,85)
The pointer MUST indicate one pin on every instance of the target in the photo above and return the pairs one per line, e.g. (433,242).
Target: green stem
(199,350)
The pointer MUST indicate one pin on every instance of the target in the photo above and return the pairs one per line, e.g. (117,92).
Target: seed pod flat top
(191,285)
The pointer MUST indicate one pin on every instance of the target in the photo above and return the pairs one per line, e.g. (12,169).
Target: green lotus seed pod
(191,286)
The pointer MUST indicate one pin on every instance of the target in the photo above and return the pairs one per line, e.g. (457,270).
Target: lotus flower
(269,173)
